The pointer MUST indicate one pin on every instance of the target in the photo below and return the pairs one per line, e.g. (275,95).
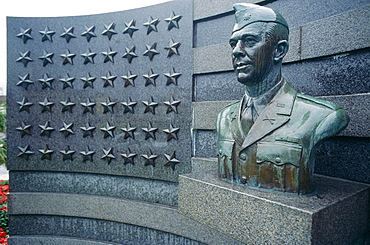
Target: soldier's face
(252,54)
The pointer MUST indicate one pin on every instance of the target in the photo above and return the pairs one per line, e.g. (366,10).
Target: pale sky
(34,8)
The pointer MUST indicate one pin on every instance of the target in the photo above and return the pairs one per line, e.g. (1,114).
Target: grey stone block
(205,57)
(205,142)
(217,86)
(52,240)
(336,34)
(344,157)
(148,190)
(336,213)
(111,232)
(205,113)
(335,75)
(105,219)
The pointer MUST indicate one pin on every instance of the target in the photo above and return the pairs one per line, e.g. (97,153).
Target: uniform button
(243,180)
(243,156)
(220,151)
(278,160)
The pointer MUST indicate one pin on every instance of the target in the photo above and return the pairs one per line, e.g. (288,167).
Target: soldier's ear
(281,49)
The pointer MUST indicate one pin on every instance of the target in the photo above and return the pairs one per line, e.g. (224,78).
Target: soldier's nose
(238,50)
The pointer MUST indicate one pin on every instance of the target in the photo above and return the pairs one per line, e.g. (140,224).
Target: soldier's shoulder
(317,101)
(230,108)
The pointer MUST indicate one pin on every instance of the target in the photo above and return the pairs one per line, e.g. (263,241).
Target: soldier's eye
(232,44)
(250,41)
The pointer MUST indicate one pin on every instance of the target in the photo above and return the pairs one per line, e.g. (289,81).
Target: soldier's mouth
(242,66)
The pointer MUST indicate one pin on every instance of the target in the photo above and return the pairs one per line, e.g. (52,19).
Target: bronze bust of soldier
(268,138)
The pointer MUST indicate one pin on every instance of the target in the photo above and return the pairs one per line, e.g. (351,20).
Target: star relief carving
(67,154)
(108,130)
(46,129)
(109,30)
(172,105)
(149,158)
(151,25)
(108,79)
(108,155)
(129,105)
(88,130)
(129,79)
(150,105)
(88,57)
(25,81)
(46,105)
(47,34)
(24,105)
(68,34)
(108,105)
(25,152)
(67,105)
(25,34)
(150,78)
(109,55)
(89,33)
(67,81)
(47,58)
(24,129)
(88,81)
(128,157)
(130,28)
(88,106)
(173,21)
(68,57)
(172,77)
(130,54)
(151,51)
(171,160)
(87,155)
(46,81)
(172,48)
(24,58)
(67,129)
(129,131)
(171,132)
(46,153)
(149,131)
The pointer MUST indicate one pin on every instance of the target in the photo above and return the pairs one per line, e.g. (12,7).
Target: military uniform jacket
(277,152)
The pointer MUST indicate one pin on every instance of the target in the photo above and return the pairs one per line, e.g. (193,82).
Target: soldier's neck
(263,86)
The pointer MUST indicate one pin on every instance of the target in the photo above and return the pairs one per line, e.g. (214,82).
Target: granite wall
(328,58)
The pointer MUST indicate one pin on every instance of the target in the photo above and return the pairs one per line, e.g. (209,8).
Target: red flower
(4,208)
(3,199)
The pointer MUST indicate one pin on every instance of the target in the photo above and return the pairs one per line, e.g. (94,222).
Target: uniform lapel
(276,114)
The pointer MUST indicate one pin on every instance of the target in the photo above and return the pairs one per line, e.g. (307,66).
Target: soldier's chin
(244,78)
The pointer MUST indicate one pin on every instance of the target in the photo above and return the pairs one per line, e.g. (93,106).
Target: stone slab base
(338,212)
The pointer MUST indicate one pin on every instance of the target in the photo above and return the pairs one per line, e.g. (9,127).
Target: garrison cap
(248,13)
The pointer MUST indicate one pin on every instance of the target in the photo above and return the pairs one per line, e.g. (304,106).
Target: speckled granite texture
(336,212)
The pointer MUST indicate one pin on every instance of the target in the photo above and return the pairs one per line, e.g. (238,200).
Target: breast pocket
(225,148)
(279,153)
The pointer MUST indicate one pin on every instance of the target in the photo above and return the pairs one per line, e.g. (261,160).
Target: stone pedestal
(336,213)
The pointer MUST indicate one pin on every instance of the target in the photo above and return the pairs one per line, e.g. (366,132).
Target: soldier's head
(259,42)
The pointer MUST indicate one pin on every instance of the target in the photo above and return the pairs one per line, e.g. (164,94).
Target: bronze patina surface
(268,138)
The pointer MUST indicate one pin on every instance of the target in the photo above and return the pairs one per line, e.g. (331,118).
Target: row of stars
(108,105)
(129,79)
(108,155)
(108,56)
(109,30)
(108,130)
